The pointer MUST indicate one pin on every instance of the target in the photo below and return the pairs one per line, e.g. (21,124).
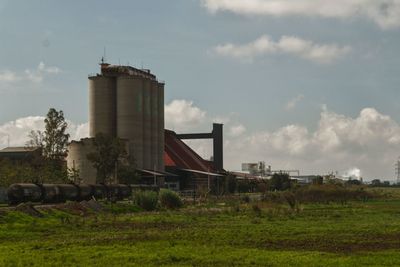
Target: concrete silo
(154,125)
(127,103)
(160,126)
(77,160)
(130,115)
(102,105)
(147,160)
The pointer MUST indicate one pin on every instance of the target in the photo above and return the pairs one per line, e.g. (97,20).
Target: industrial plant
(128,103)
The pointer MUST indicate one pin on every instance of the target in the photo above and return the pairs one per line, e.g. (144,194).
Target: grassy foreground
(356,234)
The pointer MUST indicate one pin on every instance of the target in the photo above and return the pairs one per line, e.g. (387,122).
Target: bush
(146,200)
(170,199)
(280,182)
(245,199)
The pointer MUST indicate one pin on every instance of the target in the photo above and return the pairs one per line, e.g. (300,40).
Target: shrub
(245,199)
(146,200)
(280,182)
(170,199)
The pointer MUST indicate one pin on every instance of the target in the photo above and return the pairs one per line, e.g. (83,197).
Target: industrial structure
(128,103)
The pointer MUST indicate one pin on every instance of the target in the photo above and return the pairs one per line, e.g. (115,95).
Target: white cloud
(385,13)
(17,131)
(8,76)
(181,115)
(370,141)
(29,75)
(353,173)
(290,45)
(78,131)
(293,102)
(237,130)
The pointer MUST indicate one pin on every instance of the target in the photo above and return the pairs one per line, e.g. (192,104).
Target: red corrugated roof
(178,154)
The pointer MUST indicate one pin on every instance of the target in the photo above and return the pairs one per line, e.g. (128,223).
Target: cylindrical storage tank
(19,193)
(77,160)
(154,125)
(147,124)
(85,192)
(68,192)
(125,191)
(130,115)
(50,192)
(102,105)
(113,192)
(99,191)
(161,127)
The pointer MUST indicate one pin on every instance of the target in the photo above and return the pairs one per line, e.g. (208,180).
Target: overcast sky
(304,84)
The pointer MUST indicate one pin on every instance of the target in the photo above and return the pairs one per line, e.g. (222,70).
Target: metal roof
(152,173)
(179,155)
(19,149)
(156,173)
(242,175)
(201,172)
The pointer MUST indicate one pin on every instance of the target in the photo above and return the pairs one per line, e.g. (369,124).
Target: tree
(108,152)
(55,137)
(280,182)
(319,180)
(353,182)
(36,139)
(376,183)
(230,184)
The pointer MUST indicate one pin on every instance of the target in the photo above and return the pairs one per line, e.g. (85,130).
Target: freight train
(59,193)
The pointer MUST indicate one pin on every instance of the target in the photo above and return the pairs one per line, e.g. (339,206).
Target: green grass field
(356,234)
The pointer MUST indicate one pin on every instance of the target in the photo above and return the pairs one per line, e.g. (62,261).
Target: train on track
(59,193)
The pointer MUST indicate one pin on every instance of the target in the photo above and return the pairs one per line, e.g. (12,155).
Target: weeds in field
(170,199)
(147,200)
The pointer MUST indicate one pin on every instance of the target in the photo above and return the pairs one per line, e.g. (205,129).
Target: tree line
(109,157)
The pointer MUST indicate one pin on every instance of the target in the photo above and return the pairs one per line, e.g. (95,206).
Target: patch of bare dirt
(28,209)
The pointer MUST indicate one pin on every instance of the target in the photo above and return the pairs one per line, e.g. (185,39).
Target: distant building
(31,155)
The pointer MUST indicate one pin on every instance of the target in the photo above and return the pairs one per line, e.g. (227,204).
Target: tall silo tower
(130,114)
(128,103)
(102,105)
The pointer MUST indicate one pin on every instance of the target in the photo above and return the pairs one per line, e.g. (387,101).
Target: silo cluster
(128,103)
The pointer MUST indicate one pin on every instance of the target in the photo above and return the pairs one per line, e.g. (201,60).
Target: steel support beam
(218,143)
